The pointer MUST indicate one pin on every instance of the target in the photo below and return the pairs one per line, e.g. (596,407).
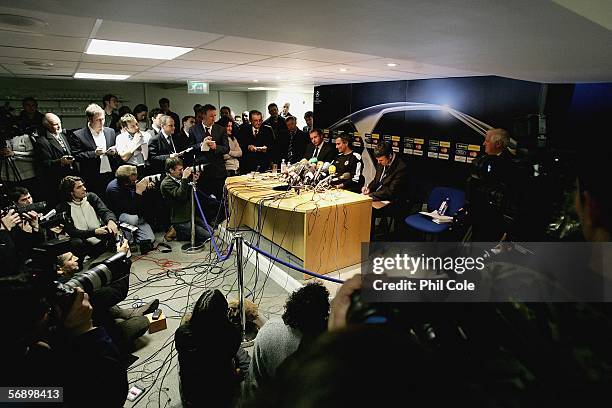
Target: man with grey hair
(94,149)
(496,142)
(53,158)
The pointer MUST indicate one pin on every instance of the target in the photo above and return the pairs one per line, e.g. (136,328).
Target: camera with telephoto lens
(44,273)
(157,178)
(36,207)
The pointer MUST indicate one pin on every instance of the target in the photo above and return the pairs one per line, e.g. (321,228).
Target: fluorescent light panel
(135,50)
(113,77)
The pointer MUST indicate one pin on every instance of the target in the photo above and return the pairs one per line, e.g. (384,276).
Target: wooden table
(324,230)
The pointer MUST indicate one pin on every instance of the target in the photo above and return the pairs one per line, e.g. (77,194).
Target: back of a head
(210,309)
(307,309)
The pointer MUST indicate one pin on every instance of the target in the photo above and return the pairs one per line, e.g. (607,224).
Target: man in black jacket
(210,145)
(161,145)
(323,152)
(255,141)
(164,105)
(389,186)
(93,147)
(296,141)
(54,158)
(349,162)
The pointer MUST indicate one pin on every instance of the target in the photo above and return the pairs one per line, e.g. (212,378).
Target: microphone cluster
(308,172)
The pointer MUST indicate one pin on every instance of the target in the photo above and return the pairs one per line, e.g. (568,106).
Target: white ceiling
(303,44)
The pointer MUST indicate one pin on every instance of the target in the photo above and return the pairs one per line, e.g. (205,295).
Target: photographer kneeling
(52,346)
(133,323)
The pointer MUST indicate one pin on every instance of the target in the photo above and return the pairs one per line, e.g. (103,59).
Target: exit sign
(197,87)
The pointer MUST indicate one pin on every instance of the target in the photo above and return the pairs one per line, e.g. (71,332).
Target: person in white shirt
(131,146)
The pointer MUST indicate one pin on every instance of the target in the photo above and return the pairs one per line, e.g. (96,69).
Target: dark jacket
(178,196)
(297,142)
(84,147)
(216,167)
(104,214)
(350,163)
(394,185)
(159,152)
(48,153)
(327,152)
(253,160)
(123,199)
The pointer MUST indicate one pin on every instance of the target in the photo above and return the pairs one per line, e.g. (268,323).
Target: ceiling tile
(111,67)
(20,61)
(57,24)
(253,69)
(176,71)
(153,34)
(27,53)
(250,45)
(228,57)
(331,56)
(44,42)
(293,63)
(105,59)
(200,65)
(24,69)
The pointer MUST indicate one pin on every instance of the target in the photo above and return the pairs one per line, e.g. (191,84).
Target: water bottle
(283,166)
(443,206)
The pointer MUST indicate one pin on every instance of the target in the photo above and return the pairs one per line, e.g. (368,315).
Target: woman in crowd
(232,165)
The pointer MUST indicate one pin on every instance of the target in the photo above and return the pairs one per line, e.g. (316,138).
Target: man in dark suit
(54,158)
(324,152)
(277,149)
(93,147)
(111,118)
(210,144)
(389,186)
(161,145)
(296,141)
(164,105)
(255,141)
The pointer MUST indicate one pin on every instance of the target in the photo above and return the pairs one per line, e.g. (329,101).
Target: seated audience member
(54,158)
(304,319)
(161,145)
(318,148)
(350,162)
(232,165)
(123,325)
(67,355)
(93,147)
(296,141)
(182,140)
(30,118)
(176,190)
(140,113)
(131,146)
(389,186)
(125,198)
(255,142)
(91,220)
(212,362)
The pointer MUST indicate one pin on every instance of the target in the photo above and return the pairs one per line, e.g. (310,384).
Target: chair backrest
(438,194)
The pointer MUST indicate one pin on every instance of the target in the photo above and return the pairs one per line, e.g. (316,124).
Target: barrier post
(192,247)
(238,239)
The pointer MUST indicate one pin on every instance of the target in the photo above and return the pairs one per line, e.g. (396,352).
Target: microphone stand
(192,247)
(239,261)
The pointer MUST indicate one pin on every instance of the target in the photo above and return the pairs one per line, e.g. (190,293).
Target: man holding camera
(54,158)
(176,189)
(125,199)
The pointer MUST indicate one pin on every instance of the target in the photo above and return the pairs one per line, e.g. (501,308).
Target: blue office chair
(438,194)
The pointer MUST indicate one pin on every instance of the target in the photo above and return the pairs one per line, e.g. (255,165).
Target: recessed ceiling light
(343,69)
(277,77)
(112,77)
(256,80)
(135,50)
(392,64)
(39,63)
(21,23)
(262,88)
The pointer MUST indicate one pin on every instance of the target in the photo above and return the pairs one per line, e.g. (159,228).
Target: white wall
(71,97)
(300,103)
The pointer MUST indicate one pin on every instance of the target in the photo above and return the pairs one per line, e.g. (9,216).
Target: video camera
(36,207)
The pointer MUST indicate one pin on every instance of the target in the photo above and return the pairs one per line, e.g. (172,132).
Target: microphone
(344,176)
(322,169)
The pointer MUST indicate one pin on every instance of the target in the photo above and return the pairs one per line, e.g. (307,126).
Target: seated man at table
(389,186)
(176,190)
(349,162)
